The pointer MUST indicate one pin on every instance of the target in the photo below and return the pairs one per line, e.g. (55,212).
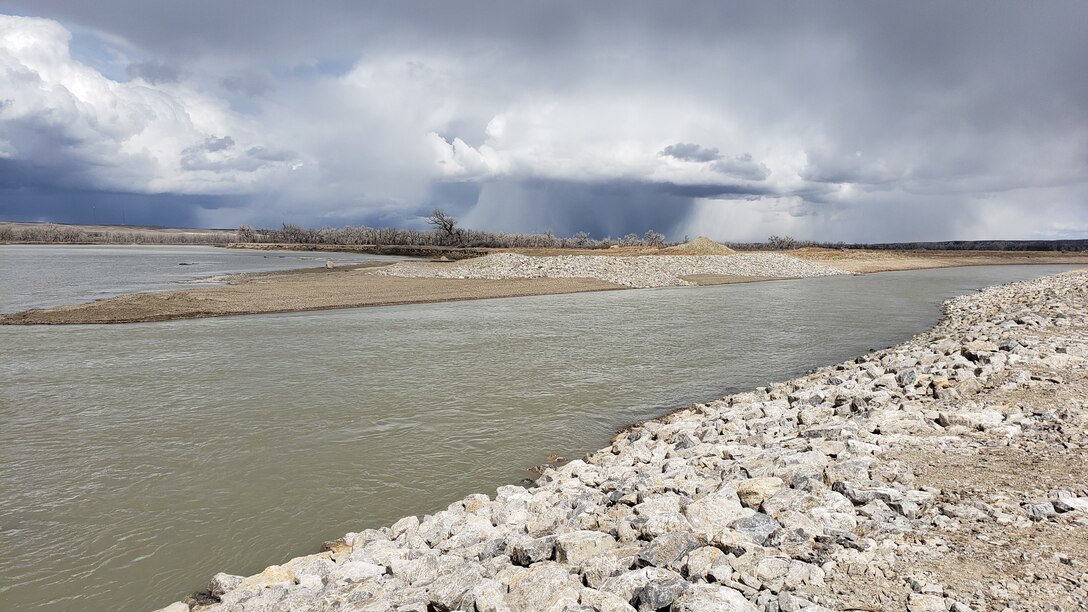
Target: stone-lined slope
(831,491)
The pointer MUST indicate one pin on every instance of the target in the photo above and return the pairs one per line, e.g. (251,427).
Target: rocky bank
(947,473)
(642,271)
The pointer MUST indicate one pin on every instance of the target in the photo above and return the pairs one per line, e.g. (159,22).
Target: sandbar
(355,286)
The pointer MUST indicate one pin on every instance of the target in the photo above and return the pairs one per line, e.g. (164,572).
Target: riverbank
(498,275)
(293,291)
(867,261)
(946,473)
(394,250)
(493,276)
(858,261)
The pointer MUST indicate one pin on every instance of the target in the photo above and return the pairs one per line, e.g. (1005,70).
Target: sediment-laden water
(137,460)
(40,276)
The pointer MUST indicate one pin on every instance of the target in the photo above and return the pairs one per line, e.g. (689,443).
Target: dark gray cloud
(153,72)
(691,152)
(216,154)
(834,120)
(250,83)
(101,207)
(271,155)
(741,166)
(213,143)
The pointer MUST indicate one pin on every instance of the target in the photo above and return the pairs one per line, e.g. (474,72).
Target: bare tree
(297,234)
(443,224)
(782,242)
(246,234)
(654,239)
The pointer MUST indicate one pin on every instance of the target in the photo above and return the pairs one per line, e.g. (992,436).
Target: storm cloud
(876,121)
(153,72)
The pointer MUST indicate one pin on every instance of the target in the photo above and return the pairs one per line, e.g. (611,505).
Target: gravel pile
(637,271)
(700,246)
(797,496)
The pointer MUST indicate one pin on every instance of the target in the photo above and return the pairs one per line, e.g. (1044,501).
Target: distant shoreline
(353,287)
(302,290)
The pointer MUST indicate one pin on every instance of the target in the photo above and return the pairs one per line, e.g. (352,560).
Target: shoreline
(895,478)
(246,295)
(354,286)
(415,282)
(860,261)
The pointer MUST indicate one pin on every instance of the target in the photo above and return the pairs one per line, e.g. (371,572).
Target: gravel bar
(631,271)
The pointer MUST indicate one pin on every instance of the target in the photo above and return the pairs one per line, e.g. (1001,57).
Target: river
(40,276)
(137,460)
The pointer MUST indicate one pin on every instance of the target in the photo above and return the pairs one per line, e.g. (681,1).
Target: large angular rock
(772,571)
(918,602)
(668,549)
(753,491)
(222,583)
(578,546)
(475,530)
(821,499)
(855,469)
(756,527)
(713,598)
(405,525)
(886,380)
(273,574)
(416,572)
(1071,504)
(604,602)
(801,573)
(628,585)
(862,495)
(544,585)
(907,377)
(664,522)
(698,562)
(713,513)
(378,552)
(489,596)
(972,420)
(357,571)
(526,551)
(658,594)
(453,590)
(1040,511)
(614,562)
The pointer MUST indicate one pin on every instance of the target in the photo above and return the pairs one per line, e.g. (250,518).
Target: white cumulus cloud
(67,121)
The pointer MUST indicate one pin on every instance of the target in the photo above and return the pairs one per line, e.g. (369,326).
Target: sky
(830,120)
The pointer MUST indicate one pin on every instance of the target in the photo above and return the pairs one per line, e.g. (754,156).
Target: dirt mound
(700,246)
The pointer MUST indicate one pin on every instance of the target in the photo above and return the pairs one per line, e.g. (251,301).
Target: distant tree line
(979,245)
(74,234)
(779,243)
(444,232)
(786,243)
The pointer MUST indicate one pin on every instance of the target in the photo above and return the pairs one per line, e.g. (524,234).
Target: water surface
(40,276)
(138,460)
